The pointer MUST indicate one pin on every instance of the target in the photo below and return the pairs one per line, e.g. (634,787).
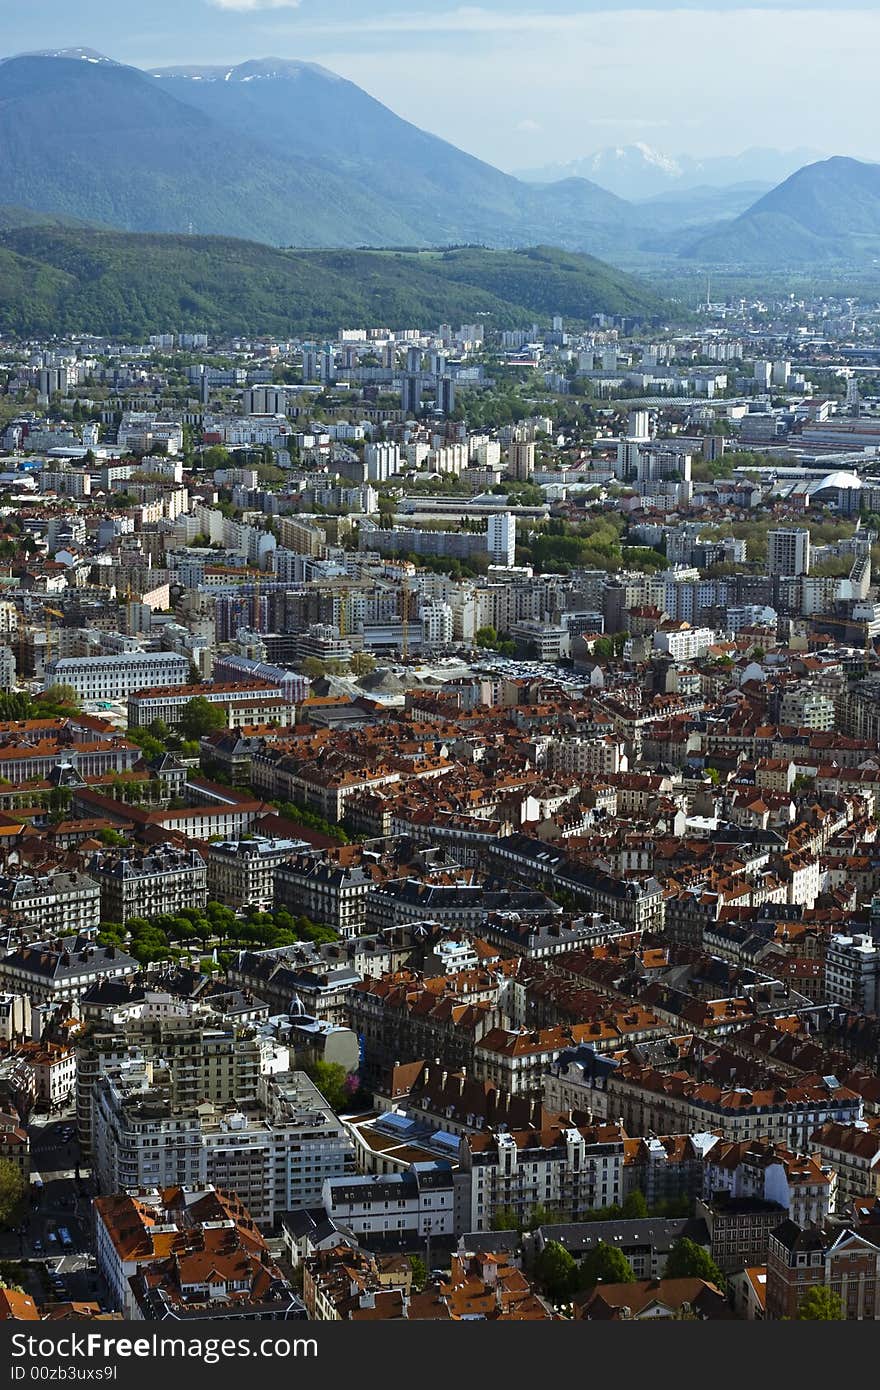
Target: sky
(522,83)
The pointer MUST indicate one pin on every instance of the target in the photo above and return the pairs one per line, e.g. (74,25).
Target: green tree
(362,664)
(556,1272)
(538,1216)
(59,699)
(820,1305)
(634,1205)
(12,1189)
(200,717)
(216,457)
(419,1271)
(332,1081)
(605,1264)
(505,1219)
(313,667)
(687,1260)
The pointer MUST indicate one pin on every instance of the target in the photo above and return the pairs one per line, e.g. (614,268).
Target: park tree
(200,717)
(362,664)
(333,1082)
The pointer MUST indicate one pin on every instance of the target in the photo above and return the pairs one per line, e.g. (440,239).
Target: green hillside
(55,280)
(826,212)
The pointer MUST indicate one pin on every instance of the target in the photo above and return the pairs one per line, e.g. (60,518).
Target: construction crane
(256,608)
(54,613)
(404,614)
(343,613)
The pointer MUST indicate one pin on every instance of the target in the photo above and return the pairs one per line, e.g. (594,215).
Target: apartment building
(297,981)
(804,1185)
(673,1103)
(61,970)
(115,677)
(854,1152)
(397,1208)
(565,1170)
(801,1258)
(274,1150)
(852,972)
(53,903)
(149,884)
(242,873)
(240,701)
(516,1060)
(204,1059)
(331,888)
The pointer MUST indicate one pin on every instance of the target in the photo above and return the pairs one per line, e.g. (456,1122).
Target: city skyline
(567,83)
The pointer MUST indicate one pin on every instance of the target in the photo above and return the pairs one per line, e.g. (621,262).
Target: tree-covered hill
(68,280)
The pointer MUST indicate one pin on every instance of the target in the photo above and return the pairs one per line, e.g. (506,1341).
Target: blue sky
(526,83)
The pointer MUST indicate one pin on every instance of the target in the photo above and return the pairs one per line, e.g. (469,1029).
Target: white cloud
(528,125)
(251,6)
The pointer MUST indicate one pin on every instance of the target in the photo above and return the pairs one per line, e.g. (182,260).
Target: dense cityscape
(439,818)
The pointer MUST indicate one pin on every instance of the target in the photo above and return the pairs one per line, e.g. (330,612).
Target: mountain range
(280,152)
(289,154)
(638,171)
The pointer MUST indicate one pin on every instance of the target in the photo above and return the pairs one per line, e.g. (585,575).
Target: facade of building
(115,677)
(61,970)
(567,1171)
(802,1258)
(53,904)
(274,1151)
(149,884)
(241,873)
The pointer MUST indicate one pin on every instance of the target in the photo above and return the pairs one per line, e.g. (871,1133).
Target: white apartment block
(852,973)
(115,677)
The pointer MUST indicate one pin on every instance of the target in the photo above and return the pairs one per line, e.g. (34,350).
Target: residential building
(115,677)
(149,883)
(788,551)
(242,873)
(802,1258)
(58,902)
(61,970)
(181,1253)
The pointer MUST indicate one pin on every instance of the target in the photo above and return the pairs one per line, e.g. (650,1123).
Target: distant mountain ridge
(638,171)
(282,152)
(286,153)
(829,211)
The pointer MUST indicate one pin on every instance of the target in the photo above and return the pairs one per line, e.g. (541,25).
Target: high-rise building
(411,394)
(446,394)
(311,363)
(521,459)
(382,461)
(788,551)
(501,538)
